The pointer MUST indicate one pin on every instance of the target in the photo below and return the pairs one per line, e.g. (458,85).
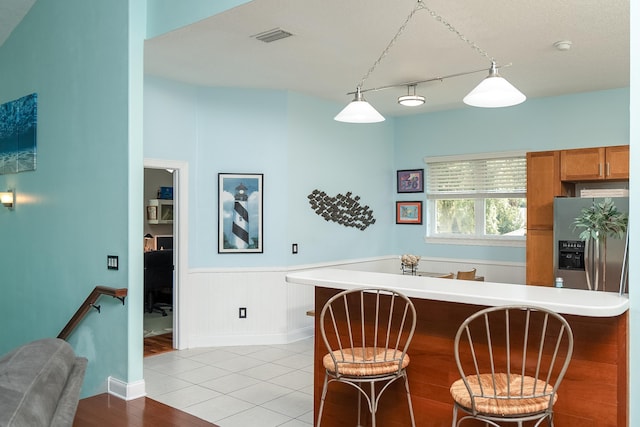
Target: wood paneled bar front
(593,393)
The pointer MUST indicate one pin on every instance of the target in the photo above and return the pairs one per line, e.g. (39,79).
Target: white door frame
(180,244)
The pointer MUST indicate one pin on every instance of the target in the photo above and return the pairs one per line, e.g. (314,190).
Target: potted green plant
(599,221)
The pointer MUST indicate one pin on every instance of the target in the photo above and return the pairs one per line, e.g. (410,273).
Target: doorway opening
(164,199)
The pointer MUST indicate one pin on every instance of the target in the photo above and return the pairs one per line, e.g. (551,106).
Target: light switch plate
(112,262)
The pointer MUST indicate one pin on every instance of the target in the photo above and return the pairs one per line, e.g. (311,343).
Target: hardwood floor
(158,344)
(105,410)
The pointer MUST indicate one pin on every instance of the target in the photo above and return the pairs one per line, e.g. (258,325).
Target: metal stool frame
(362,321)
(516,342)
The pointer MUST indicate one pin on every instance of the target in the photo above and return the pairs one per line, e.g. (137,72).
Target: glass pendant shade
(359,111)
(493,92)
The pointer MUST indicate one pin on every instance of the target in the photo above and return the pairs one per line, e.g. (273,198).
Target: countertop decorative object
(409,264)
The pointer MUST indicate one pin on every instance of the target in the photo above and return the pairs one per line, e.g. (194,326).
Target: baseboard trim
(267,339)
(126,391)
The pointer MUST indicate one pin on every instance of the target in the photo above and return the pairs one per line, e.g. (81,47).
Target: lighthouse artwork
(240,227)
(240,213)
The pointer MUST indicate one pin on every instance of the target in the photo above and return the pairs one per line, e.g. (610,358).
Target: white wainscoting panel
(276,310)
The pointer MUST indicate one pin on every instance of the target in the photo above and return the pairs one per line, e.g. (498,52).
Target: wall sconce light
(8,198)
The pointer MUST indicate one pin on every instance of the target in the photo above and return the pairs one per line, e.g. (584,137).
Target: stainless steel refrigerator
(573,259)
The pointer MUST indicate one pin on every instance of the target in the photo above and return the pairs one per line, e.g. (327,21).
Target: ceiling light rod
(417,82)
(493,91)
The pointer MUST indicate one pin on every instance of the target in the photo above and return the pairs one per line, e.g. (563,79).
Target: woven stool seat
(373,362)
(511,398)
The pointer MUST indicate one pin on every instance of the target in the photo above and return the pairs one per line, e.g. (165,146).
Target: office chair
(158,281)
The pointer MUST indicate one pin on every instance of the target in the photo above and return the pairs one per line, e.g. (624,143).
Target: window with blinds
(477,198)
(489,177)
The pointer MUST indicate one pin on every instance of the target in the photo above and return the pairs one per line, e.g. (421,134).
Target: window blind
(492,177)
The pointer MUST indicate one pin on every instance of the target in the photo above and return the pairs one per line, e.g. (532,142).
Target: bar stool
(367,333)
(511,361)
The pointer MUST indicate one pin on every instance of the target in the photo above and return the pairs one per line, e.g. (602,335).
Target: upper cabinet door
(583,164)
(595,164)
(617,162)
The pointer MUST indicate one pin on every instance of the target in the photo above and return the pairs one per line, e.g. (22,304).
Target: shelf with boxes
(160,209)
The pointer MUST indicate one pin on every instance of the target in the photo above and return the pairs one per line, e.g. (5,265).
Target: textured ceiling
(11,13)
(335,42)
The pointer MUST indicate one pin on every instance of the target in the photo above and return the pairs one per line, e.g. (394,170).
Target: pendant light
(410,100)
(494,91)
(359,111)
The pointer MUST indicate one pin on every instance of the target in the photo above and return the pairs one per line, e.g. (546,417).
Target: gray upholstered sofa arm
(40,384)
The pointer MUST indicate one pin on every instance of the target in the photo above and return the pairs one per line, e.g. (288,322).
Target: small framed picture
(410,181)
(409,212)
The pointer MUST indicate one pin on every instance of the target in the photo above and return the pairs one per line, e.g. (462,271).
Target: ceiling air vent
(272,35)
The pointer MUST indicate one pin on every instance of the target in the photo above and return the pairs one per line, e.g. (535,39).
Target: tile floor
(235,386)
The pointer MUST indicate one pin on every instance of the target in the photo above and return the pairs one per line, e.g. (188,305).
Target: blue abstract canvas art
(18,125)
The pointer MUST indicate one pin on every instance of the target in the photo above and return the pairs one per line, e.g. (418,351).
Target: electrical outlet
(242,312)
(294,248)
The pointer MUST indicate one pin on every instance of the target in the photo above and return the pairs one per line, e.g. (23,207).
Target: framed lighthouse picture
(240,213)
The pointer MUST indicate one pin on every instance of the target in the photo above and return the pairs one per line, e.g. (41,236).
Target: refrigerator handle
(587,262)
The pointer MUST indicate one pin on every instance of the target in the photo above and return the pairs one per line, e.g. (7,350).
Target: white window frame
(479,238)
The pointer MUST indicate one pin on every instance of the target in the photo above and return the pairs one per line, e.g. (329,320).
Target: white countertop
(565,301)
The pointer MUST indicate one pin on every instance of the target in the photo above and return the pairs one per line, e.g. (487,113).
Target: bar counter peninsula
(593,393)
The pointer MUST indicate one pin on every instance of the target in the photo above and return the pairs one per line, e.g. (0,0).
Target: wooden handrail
(88,304)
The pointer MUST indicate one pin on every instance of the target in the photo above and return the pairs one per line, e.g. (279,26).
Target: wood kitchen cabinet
(595,164)
(617,162)
(543,184)
(556,173)
(540,257)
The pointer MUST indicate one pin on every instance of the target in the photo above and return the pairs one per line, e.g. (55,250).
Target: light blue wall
(217,131)
(571,121)
(73,210)
(292,139)
(280,135)
(337,158)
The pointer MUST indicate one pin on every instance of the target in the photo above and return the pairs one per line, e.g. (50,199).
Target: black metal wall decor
(342,209)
